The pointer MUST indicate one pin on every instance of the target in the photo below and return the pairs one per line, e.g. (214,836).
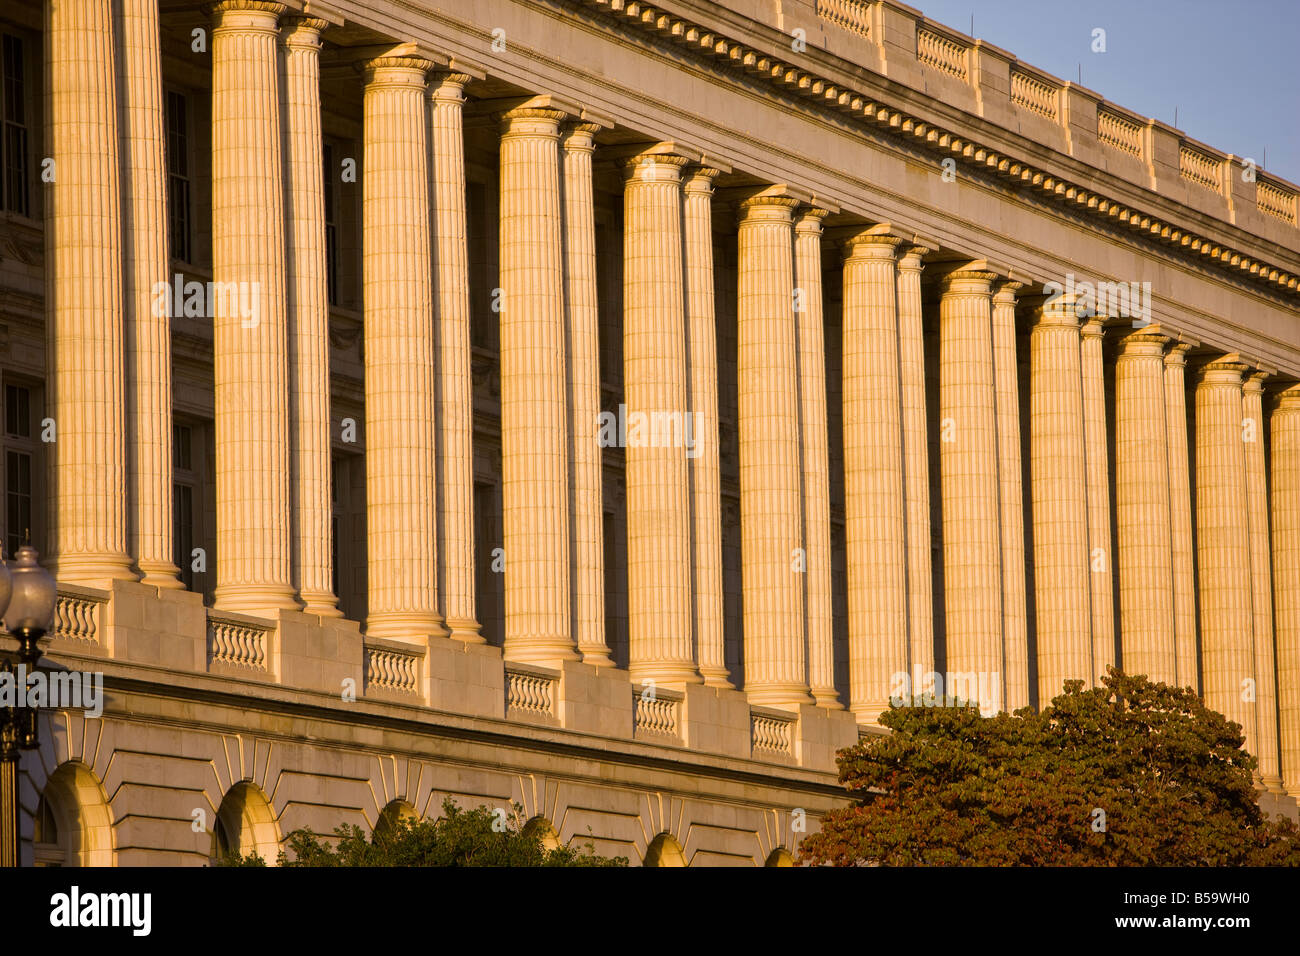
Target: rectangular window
(18,500)
(13,137)
(184,527)
(178,176)
(331,231)
(18,453)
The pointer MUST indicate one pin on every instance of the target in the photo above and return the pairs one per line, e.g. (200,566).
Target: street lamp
(27,596)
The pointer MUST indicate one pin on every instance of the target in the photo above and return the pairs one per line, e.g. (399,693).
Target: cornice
(792,81)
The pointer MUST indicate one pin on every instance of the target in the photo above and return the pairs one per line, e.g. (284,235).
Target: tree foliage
(1131,773)
(478,837)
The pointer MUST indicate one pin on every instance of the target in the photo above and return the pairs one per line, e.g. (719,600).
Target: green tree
(1131,773)
(478,837)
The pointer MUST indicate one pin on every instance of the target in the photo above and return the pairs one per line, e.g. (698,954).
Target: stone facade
(599,406)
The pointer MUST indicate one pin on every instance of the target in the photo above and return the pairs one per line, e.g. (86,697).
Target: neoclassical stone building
(599,405)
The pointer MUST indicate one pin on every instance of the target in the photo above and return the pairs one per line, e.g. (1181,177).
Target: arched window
(245,824)
(397,811)
(664,851)
(73,825)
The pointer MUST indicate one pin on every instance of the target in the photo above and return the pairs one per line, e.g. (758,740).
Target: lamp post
(27,596)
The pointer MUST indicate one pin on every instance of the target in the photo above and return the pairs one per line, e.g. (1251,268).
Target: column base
(596,655)
(320,603)
(464,629)
(404,625)
(718,677)
(1273,785)
(778,695)
(542,651)
(867,715)
(160,574)
(665,674)
(828,698)
(92,570)
(259,600)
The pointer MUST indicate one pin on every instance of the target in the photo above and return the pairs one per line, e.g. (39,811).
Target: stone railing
(771,733)
(531,692)
(851,15)
(1197,167)
(1119,133)
(1030,93)
(942,54)
(393,670)
(656,711)
(1275,201)
(238,643)
(77,616)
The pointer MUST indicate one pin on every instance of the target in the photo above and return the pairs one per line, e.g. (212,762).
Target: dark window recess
(15,189)
(18,411)
(331,231)
(183,518)
(178,176)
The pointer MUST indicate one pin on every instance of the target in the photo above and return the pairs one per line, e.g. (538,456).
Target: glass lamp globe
(31,601)
(6,585)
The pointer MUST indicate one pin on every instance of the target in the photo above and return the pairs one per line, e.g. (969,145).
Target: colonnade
(1206,539)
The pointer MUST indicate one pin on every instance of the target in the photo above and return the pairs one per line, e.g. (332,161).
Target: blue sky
(1231,68)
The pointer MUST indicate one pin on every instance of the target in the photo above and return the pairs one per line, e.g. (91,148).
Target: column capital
(699,179)
(767,208)
(1176,357)
(975,278)
(1288,398)
(448,86)
(1004,291)
(253,16)
(913,258)
(654,167)
(578,136)
(1093,328)
(303,32)
(1148,340)
(1226,370)
(396,70)
(808,219)
(870,244)
(1254,383)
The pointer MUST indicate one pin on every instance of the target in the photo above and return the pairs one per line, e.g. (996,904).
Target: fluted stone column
(534,415)
(83,296)
(706,500)
(586,535)
(770,478)
(874,506)
(1180,518)
(1059,490)
(810,322)
(251,365)
(1286,577)
(1266,747)
(455,387)
(147,330)
(660,646)
(1223,545)
(916,461)
(968,463)
(1015,636)
(1142,503)
(401,503)
(1100,559)
(307,298)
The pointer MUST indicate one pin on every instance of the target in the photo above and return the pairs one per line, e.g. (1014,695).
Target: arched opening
(541,826)
(664,850)
(779,857)
(73,825)
(245,824)
(397,811)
